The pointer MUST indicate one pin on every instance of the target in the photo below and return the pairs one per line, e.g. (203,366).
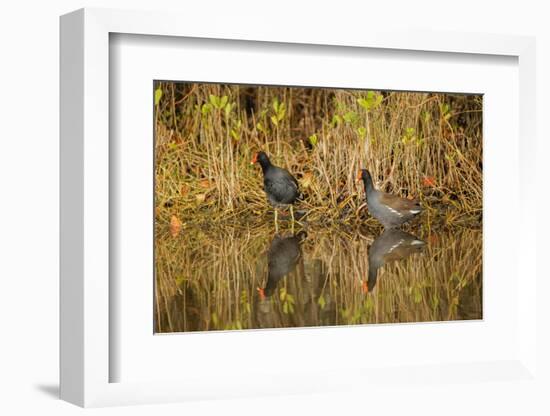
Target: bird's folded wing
(398,203)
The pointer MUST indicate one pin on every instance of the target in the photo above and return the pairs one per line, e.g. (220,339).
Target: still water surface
(245,277)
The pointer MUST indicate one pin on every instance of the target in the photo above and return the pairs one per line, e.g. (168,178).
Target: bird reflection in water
(392,245)
(282,257)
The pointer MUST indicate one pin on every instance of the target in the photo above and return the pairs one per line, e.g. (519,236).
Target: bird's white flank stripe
(394,211)
(395,245)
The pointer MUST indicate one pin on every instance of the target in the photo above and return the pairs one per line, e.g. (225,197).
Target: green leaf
(445,111)
(340,107)
(313,140)
(206,108)
(223,101)
(364,103)
(410,135)
(281,111)
(158,95)
(276,104)
(274,120)
(285,308)
(321,302)
(350,117)
(417,296)
(427,116)
(372,100)
(228,108)
(215,101)
(362,132)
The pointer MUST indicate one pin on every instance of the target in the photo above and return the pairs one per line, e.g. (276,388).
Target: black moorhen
(390,210)
(391,245)
(279,185)
(282,257)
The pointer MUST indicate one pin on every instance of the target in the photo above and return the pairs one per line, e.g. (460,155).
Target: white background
(29,204)
(307,351)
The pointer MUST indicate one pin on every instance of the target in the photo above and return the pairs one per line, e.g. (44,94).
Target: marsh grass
(425,145)
(214,226)
(207,279)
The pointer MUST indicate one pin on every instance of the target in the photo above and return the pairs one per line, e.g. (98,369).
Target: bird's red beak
(261,293)
(254,159)
(365,287)
(359,174)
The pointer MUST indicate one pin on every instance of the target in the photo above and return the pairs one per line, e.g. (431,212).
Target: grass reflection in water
(247,277)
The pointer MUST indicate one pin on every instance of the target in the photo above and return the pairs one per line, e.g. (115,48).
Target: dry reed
(208,279)
(425,145)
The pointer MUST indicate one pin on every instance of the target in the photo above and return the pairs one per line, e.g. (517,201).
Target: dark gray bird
(280,186)
(282,257)
(390,210)
(392,245)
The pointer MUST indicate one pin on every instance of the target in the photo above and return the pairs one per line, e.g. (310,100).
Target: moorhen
(390,210)
(280,186)
(282,257)
(391,245)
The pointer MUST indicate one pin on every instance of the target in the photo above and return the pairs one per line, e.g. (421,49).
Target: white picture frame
(86,356)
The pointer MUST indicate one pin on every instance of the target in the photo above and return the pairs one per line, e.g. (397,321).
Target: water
(241,277)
